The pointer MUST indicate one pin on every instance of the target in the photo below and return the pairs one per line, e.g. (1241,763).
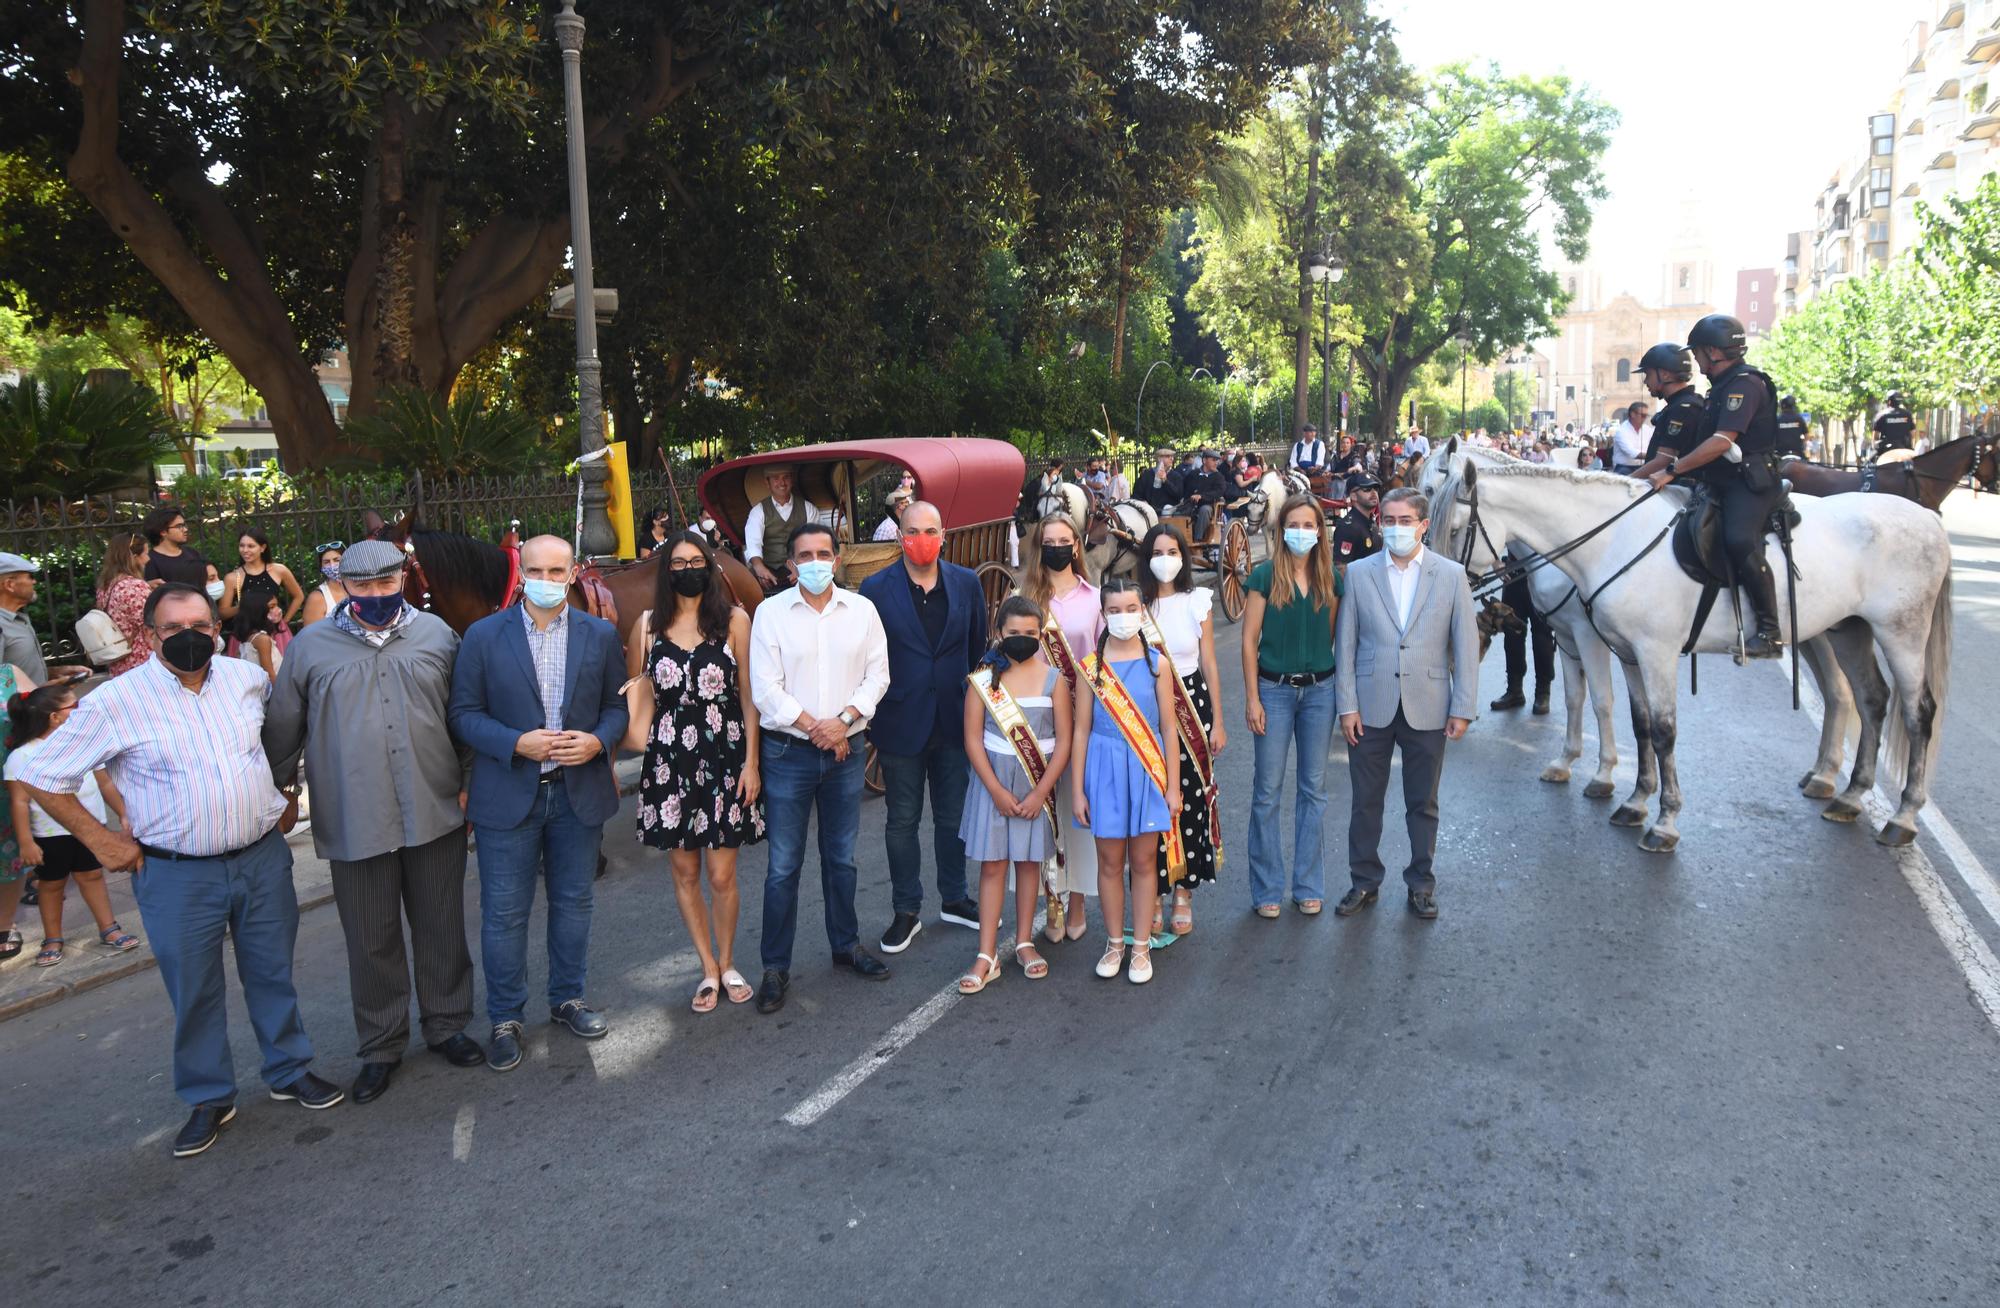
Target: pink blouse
(1080,614)
(125,605)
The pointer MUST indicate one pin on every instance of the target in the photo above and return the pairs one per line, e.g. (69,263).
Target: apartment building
(1757,299)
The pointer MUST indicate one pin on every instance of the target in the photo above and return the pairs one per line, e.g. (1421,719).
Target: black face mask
(1056,558)
(189,651)
(689,581)
(1019,649)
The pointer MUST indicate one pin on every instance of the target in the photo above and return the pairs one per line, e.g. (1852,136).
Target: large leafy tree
(1958,260)
(1854,344)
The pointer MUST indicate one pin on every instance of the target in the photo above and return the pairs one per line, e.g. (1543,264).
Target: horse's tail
(1930,705)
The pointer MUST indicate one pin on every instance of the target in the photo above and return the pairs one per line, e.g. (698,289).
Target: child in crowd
(1017,738)
(1127,773)
(54,853)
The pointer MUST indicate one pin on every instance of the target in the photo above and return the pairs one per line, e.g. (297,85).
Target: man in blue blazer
(534,695)
(935,616)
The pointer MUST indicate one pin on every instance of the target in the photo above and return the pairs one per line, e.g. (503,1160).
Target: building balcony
(1984,43)
(1945,48)
(1945,159)
(1943,119)
(1951,13)
(1982,124)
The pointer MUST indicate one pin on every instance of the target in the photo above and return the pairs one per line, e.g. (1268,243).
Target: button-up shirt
(20,646)
(191,763)
(1628,445)
(757,523)
(1403,584)
(1417,446)
(549,648)
(817,661)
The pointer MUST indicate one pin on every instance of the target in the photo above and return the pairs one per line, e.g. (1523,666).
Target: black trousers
(1745,514)
(1368,777)
(1515,643)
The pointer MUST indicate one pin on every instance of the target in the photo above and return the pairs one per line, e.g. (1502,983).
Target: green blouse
(1297,637)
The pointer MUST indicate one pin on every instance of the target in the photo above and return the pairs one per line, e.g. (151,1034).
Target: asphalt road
(1749,1073)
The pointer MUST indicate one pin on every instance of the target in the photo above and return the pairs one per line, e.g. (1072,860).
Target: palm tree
(63,436)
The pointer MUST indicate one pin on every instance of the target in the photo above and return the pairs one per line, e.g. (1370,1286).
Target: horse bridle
(1506,573)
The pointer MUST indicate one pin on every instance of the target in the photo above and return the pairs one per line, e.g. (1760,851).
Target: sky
(1802,76)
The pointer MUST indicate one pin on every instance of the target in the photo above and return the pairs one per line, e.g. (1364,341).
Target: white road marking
(461,1135)
(843,1083)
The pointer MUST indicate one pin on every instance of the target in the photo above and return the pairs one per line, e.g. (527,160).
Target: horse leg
(1595,658)
(1922,674)
(1632,813)
(1660,685)
(1853,648)
(1838,697)
(1573,691)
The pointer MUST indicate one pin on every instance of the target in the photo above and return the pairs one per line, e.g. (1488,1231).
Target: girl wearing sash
(1180,613)
(1126,773)
(1052,575)
(1017,738)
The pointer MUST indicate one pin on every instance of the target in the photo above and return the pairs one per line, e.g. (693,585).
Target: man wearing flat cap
(18,643)
(363,696)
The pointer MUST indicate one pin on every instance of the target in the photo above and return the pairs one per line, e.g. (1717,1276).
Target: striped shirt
(549,648)
(191,764)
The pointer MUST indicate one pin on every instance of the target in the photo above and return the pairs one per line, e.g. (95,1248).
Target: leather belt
(1294,678)
(173,856)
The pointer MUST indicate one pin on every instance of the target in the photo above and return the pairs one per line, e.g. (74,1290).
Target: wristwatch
(847,719)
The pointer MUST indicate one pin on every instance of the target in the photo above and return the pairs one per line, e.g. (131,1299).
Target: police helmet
(1718,331)
(1789,402)
(1667,357)
(1895,399)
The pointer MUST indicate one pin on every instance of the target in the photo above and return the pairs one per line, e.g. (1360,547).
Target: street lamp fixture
(1326,270)
(1140,413)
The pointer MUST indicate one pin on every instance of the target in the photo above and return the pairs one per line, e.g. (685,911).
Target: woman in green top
(1288,689)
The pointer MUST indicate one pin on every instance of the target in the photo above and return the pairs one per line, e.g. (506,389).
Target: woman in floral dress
(699,789)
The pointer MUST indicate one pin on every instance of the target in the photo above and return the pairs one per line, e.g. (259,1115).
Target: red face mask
(922,550)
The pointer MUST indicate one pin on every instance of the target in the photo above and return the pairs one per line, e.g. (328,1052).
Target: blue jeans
(799,776)
(187,907)
(1301,717)
(945,768)
(550,845)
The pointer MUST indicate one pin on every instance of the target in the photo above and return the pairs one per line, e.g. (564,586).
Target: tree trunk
(1118,315)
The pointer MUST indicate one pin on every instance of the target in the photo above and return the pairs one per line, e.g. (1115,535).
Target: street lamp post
(1464,340)
(598,536)
(1203,372)
(1139,413)
(1327,270)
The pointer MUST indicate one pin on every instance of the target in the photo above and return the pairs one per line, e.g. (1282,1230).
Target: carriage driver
(1742,419)
(768,529)
(1203,492)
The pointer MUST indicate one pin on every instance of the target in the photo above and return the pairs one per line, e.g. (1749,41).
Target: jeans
(799,776)
(944,767)
(1301,717)
(550,845)
(187,906)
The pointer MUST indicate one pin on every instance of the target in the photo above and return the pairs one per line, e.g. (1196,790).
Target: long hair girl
(1314,569)
(1035,576)
(717,601)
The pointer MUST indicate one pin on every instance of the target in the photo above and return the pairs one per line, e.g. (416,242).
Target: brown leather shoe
(1424,904)
(1354,901)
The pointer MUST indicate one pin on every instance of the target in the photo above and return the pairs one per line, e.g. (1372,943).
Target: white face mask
(215,589)
(1165,566)
(1122,626)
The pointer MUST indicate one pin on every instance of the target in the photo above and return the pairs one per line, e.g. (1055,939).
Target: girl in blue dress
(1115,795)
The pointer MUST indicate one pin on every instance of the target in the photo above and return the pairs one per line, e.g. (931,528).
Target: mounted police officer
(1895,429)
(1791,430)
(1355,533)
(1738,438)
(1668,373)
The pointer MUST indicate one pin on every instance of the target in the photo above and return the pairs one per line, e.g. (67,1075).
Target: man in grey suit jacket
(1407,678)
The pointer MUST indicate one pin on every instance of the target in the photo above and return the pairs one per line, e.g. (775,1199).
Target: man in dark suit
(1159,485)
(535,696)
(934,614)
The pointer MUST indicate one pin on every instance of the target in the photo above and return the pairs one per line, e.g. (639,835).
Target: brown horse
(1927,478)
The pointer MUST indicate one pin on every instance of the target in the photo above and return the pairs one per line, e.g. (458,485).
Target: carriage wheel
(996,581)
(1232,579)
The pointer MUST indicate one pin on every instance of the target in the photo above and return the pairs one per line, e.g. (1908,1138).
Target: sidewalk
(86,965)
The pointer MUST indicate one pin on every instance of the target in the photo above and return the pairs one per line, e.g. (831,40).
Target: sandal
(1114,956)
(1159,918)
(975,980)
(1141,970)
(52,952)
(1311,907)
(118,938)
(1033,965)
(1183,913)
(707,990)
(739,989)
(10,943)
(1267,910)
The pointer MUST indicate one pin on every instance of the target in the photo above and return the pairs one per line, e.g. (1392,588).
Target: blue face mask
(1300,540)
(545,594)
(377,610)
(816,575)
(1400,538)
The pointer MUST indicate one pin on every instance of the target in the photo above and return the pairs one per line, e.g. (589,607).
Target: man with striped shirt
(180,736)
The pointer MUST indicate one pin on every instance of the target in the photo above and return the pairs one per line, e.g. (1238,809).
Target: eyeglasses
(685,565)
(173,629)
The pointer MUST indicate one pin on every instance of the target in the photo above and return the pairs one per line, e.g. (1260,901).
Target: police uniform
(1895,430)
(1791,435)
(1355,536)
(1744,401)
(1677,426)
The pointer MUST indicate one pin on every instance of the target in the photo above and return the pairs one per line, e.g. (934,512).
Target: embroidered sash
(1056,646)
(1113,696)
(1012,724)
(1193,735)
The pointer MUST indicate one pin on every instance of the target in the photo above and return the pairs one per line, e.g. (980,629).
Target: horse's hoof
(1895,835)
(1556,773)
(1625,815)
(1598,790)
(1819,788)
(1841,810)
(1654,842)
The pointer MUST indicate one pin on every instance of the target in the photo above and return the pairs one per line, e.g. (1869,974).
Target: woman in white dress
(1182,612)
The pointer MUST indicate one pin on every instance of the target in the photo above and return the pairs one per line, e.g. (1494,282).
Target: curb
(56,991)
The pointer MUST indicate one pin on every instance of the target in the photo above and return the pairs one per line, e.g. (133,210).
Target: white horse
(1875,573)
(1586,666)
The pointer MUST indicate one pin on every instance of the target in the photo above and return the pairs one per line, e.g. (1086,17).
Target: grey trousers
(1368,777)
(426,883)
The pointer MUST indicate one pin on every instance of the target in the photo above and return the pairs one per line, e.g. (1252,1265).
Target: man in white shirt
(1308,451)
(1406,673)
(819,663)
(1628,441)
(1418,446)
(767,531)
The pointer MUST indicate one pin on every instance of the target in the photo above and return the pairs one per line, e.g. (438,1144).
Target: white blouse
(1179,617)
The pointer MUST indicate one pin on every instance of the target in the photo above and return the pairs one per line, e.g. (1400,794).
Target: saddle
(596,597)
(1698,547)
